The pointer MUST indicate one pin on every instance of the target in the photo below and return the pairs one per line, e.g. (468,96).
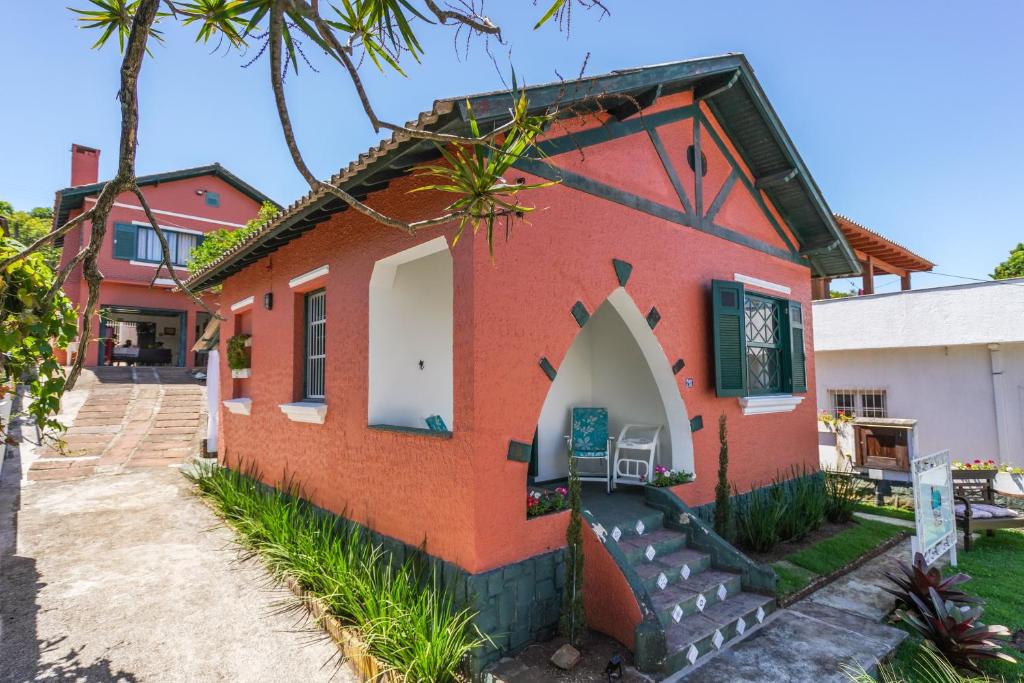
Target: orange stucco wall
(128,284)
(462,495)
(608,601)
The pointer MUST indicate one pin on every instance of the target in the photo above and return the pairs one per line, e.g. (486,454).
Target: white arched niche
(617,363)
(411,361)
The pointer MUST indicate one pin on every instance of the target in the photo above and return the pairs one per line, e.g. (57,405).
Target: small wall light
(268,300)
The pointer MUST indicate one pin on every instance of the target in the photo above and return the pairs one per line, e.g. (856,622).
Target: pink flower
(562,491)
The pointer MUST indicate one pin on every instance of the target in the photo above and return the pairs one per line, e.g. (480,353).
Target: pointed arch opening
(615,362)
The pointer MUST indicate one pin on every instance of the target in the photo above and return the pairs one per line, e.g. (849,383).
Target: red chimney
(85,165)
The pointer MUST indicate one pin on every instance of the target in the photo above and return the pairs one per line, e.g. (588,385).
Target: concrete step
(678,566)
(695,595)
(698,637)
(638,549)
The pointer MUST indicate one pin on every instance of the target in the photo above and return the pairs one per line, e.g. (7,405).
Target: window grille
(316,349)
(763,325)
(858,402)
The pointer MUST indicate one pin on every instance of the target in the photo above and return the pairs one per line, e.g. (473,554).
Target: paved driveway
(127,577)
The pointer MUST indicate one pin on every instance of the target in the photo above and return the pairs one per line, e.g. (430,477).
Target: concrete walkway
(123,575)
(811,640)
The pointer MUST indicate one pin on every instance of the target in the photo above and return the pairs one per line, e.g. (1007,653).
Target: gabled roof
(725,83)
(72,197)
(880,247)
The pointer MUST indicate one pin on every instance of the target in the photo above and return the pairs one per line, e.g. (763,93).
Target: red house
(160,324)
(666,278)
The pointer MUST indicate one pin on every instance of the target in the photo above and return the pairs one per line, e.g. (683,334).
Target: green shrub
(238,352)
(843,493)
(724,522)
(806,503)
(758,517)
(406,620)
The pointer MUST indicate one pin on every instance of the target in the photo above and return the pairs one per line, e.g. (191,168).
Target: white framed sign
(932,477)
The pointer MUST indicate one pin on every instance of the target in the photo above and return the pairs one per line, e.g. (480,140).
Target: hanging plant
(238,352)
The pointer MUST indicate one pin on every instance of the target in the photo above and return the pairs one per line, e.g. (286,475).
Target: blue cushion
(589,430)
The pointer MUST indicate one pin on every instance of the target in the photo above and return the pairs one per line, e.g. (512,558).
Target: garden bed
(826,554)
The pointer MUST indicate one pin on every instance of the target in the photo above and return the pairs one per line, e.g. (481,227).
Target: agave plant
(918,579)
(956,632)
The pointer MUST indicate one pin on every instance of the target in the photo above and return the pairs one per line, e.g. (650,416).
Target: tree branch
(478,23)
(45,239)
(166,252)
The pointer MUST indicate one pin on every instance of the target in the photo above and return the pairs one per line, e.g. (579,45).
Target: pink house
(423,390)
(160,325)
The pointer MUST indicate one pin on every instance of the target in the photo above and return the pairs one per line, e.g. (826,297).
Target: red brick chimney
(85,165)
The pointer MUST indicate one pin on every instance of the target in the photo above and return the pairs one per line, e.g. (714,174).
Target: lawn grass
(996,568)
(832,553)
(885,511)
(406,620)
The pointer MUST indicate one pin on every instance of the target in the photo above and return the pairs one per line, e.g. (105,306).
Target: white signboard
(933,507)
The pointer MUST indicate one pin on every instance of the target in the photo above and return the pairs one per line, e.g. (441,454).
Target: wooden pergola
(877,256)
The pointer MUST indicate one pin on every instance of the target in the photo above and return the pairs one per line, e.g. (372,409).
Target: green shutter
(798,359)
(730,338)
(124,240)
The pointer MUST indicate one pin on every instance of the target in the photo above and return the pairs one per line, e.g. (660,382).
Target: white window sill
(305,411)
(773,403)
(238,406)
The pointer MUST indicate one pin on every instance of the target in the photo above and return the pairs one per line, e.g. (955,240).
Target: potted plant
(663,477)
(239,355)
(545,502)
(1010,480)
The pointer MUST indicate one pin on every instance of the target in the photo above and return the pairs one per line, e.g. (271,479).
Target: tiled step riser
(652,522)
(689,605)
(673,574)
(680,659)
(636,555)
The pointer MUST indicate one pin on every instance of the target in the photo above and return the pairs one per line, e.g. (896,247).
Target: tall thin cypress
(723,504)
(572,624)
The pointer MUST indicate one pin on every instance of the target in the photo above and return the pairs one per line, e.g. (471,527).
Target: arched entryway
(615,362)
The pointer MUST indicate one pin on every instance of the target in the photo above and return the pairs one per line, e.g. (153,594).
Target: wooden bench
(975,490)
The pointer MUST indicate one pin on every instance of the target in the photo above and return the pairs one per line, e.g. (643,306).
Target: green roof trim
(72,197)
(726,84)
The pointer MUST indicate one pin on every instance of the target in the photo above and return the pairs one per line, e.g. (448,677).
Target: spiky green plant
(757,519)
(572,623)
(406,619)
(928,666)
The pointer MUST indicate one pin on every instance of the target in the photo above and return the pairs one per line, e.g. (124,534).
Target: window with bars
(316,348)
(759,342)
(763,329)
(858,402)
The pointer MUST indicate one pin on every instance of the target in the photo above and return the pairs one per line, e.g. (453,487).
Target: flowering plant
(542,502)
(663,476)
(989,464)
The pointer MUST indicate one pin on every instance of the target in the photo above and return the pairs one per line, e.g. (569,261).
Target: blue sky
(907,114)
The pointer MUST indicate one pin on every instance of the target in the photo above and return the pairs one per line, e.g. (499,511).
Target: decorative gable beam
(818,248)
(635,103)
(709,88)
(776,179)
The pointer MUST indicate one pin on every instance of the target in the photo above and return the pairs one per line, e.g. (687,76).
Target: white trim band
(243,303)
(308,277)
(305,411)
(238,406)
(147,264)
(773,403)
(163,282)
(763,284)
(215,221)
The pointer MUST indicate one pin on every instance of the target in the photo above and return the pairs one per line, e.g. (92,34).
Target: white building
(952,358)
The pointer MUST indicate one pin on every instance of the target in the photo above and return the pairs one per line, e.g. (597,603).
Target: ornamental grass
(402,615)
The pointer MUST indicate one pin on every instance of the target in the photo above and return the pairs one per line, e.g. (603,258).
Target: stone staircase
(700,608)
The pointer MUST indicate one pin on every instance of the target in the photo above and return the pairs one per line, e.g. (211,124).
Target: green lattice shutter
(798,359)
(124,241)
(730,340)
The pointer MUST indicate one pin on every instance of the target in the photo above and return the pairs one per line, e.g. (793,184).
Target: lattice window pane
(316,347)
(762,325)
